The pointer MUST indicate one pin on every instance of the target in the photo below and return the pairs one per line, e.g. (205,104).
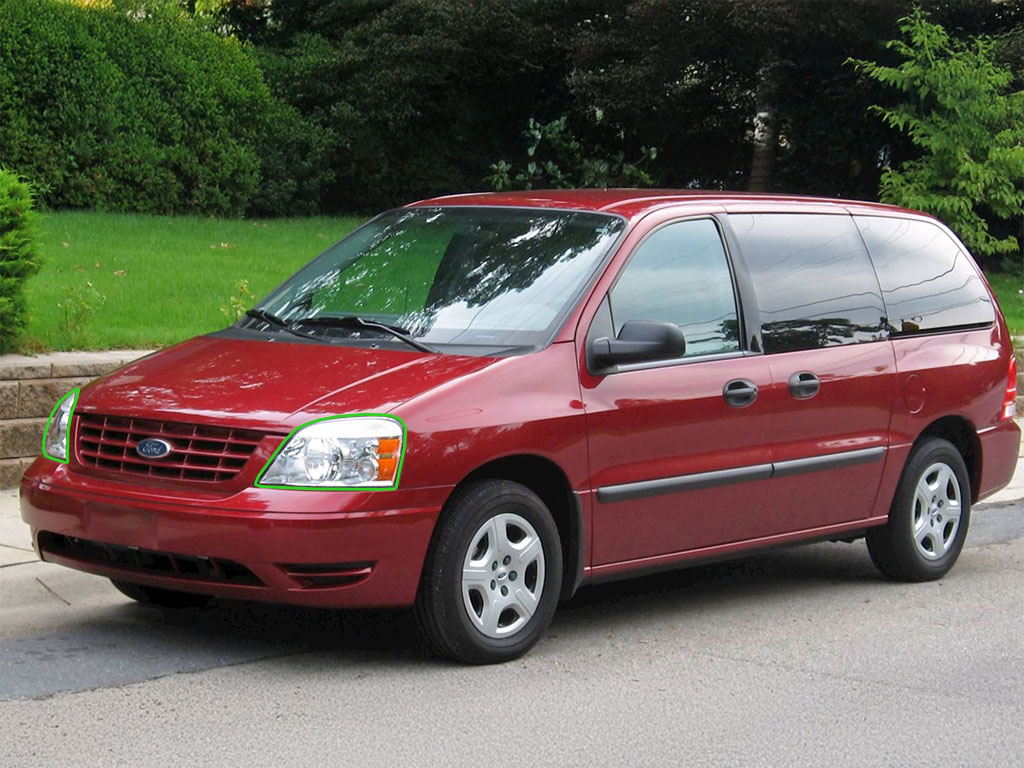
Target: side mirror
(640,341)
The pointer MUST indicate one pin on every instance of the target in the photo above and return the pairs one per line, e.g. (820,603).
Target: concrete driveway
(800,657)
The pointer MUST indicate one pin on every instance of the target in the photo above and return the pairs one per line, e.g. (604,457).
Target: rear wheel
(491,581)
(162,598)
(929,516)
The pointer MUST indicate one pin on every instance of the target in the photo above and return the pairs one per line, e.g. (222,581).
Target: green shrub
(556,158)
(415,97)
(961,113)
(18,255)
(294,165)
(135,107)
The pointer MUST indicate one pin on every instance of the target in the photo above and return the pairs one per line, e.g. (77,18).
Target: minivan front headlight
(55,435)
(360,451)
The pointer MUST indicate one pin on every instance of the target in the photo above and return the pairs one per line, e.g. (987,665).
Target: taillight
(1010,398)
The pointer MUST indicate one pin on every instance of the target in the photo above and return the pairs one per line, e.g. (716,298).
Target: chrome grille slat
(201,453)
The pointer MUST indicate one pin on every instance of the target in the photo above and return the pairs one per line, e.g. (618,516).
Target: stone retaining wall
(30,387)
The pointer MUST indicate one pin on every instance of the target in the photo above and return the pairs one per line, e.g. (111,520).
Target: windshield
(487,276)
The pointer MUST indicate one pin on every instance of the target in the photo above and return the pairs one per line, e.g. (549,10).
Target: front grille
(199,452)
(209,569)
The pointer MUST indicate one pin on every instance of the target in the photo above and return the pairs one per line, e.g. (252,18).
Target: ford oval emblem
(153,448)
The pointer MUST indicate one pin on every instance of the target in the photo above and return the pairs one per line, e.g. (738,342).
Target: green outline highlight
(359,488)
(46,430)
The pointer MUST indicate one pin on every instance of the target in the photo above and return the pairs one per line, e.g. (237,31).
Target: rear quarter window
(929,283)
(814,282)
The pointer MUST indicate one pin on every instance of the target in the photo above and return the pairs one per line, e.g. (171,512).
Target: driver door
(680,449)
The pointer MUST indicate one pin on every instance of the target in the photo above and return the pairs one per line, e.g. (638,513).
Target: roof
(632,203)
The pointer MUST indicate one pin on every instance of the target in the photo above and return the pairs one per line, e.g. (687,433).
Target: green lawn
(1009,290)
(156,280)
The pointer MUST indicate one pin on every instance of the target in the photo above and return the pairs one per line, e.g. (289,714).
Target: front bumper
(329,549)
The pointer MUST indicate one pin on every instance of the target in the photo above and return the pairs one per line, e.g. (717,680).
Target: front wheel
(929,516)
(491,581)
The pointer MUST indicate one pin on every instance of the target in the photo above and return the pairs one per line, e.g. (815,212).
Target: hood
(270,385)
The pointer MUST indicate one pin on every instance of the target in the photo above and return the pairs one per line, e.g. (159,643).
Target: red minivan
(475,404)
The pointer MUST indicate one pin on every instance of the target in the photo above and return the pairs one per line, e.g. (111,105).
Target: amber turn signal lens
(387,458)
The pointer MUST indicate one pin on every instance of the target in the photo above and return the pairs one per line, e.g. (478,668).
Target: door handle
(740,393)
(804,385)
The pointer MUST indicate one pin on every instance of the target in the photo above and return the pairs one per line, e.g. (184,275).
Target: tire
(929,516)
(161,598)
(474,604)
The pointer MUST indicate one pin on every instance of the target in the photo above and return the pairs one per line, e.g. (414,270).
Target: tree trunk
(766,127)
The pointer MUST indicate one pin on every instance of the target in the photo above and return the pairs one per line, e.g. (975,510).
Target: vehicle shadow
(615,605)
(126,642)
(810,567)
(740,583)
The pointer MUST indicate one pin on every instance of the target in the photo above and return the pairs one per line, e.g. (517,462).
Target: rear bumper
(356,558)
(1000,447)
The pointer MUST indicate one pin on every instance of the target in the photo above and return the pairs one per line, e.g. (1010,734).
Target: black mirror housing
(640,341)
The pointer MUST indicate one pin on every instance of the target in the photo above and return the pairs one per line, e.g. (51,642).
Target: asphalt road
(801,657)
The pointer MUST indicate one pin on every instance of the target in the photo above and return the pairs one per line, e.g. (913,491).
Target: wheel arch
(964,437)
(547,479)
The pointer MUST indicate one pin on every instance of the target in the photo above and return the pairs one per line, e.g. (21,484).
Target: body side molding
(828,461)
(661,485)
(693,482)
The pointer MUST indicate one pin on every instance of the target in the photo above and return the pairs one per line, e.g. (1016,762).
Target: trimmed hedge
(136,107)
(18,255)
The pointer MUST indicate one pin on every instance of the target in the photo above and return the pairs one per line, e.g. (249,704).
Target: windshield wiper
(271,319)
(354,321)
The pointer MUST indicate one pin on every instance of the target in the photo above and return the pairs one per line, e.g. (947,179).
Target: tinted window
(928,282)
(814,282)
(680,275)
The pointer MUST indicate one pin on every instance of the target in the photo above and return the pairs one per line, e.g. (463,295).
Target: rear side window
(813,279)
(928,282)
(680,275)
